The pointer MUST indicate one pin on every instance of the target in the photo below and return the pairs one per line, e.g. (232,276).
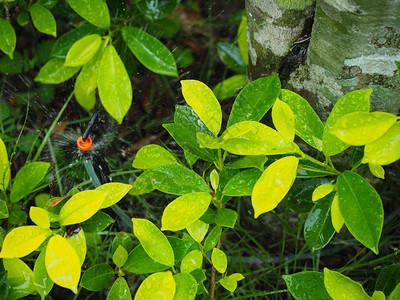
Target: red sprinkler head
(84,145)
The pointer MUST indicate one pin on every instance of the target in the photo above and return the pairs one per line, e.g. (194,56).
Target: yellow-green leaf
(322,190)
(242,39)
(192,261)
(198,230)
(20,278)
(186,287)
(43,19)
(120,256)
(214,179)
(273,184)
(360,128)
(229,284)
(236,276)
(78,242)
(81,207)
(377,171)
(114,192)
(39,216)
(8,38)
(185,210)
(54,72)
(204,103)
(153,241)
(83,50)
(219,260)
(378,295)
(283,119)
(4,167)
(153,156)
(23,240)
(114,85)
(157,286)
(87,101)
(93,11)
(62,263)
(384,150)
(336,216)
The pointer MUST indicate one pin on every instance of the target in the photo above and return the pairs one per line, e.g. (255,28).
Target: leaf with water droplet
(43,283)
(198,230)
(157,284)
(212,238)
(83,50)
(273,185)
(78,242)
(39,216)
(186,287)
(54,72)
(152,156)
(219,260)
(43,19)
(342,287)
(322,190)
(93,11)
(307,285)
(114,192)
(192,261)
(20,278)
(283,119)
(377,171)
(8,38)
(336,216)
(120,290)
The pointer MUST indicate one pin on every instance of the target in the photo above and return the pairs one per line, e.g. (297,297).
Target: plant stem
(213,283)
(328,167)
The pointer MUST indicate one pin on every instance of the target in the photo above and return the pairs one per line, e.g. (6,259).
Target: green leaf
(17,217)
(198,230)
(119,290)
(156,10)
(395,294)
(4,285)
(185,210)
(12,66)
(4,167)
(214,179)
(96,278)
(23,240)
(205,105)
(62,263)
(20,278)
(41,280)
(153,156)
(229,87)
(255,99)
(384,150)
(224,176)
(120,256)
(139,262)
(143,183)
(378,295)
(114,85)
(43,19)
(283,119)
(388,278)
(360,128)
(251,161)
(219,260)
(212,238)
(93,11)
(54,72)
(153,241)
(273,184)
(229,284)
(114,192)
(336,216)
(377,171)
(123,239)
(226,217)
(98,222)
(39,216)
(153,54)
(78,242)
(242,183)
(322,190)
(8,38)
(65,42)
(83,50)
(318,228)
(81,207)
(23,18)
(155,285)
(180,247)
(231,57)
(186,287)
(186,116)
(307,285)
(242,39)
(309,169)
(351,102)
(193,260)
(342,287)
(27,178)
(361,208)
(3,210)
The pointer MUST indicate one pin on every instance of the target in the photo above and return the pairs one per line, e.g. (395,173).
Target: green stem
(328,167)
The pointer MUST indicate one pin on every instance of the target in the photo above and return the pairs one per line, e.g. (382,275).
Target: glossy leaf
(192,261)
(187,117)
(384,150)
(8,38)
(186,287)
(23,240)
(3,210)
(273,185)
(283,119)
(219,260)
(351,102)
(229,87)
(342,287)
(185,210)
(43,283)
(93,11)
(119,290)
(83,50)
(255,99)
(39,216)
(98,222)
(78,242)
(224,176)
(336,215)
(156,10)
(318,228)
(120,256)
(309,169)
(114,192)
(139,262)
(153,241)
(308,125)
(180,246)
(152,156)
(242,183)
(62,263)
(378,295)
(231,57)
(43,19)
(229,284)
(123,239)
(251,161)
(153,54)
(20,278)
(307,285)
(81,207)
(360,128)
(143,183)
(242,39)
(322,190)
(97,277)
(361,208)
(226,217)
(377,171)
(155,285)
(114,85)
(214,179)
(27,178)
(212,238)
(54,72)
(5,175)
(198,230)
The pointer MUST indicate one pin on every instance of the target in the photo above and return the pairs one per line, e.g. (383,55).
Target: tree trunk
(353,45)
